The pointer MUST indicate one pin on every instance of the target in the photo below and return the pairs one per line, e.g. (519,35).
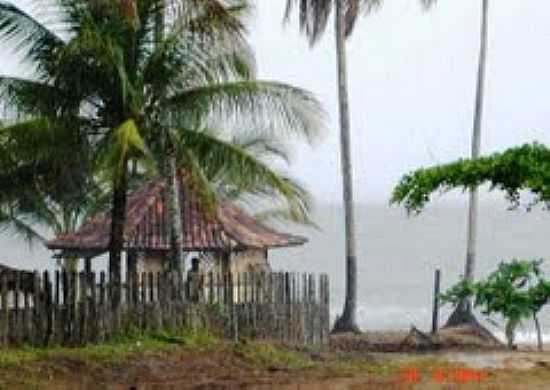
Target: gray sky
(412,83)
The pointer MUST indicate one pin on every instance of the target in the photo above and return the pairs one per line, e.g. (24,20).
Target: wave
(524,337)
(394,317)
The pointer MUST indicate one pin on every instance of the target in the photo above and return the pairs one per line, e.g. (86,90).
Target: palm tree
(46,181)
(314,16)
(463,312)
(138,98)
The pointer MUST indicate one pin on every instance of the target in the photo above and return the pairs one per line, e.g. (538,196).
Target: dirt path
(458,360)
(227,370)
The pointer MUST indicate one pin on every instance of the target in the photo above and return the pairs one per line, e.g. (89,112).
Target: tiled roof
(147,226)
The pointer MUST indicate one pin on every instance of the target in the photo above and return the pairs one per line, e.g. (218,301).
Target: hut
(227,239)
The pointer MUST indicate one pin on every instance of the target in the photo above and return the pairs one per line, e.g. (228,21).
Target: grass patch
(271,356)
(118,349)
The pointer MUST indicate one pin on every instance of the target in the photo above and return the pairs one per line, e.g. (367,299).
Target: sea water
(398,254)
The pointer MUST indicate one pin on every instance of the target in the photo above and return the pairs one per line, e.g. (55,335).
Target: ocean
(397,256)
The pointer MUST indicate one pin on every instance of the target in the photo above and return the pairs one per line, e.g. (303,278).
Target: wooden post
(312,310)
(233,308)
(26,317)
(102,313)
(435,312)
(37,328)
(245,287)
(56,321)
(65,280)
(102,288)
(305,309)
(16,312)
(83,317)
(5,309)
(143,305)
(327,308)
(219,288)
(151,287)
(255,303)
(73,276)
(92,309)
(238,297)
(47,308)
(210,288)
(64,321)
(57,297)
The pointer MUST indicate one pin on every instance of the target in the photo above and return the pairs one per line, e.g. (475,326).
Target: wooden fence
(65,308)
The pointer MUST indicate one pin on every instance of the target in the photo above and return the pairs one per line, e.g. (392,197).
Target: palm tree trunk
(175,216)
(177,256)
(463,312)
(347,322)
(118,220)
(539,333)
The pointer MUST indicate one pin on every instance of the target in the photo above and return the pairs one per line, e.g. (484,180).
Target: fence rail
(77,308)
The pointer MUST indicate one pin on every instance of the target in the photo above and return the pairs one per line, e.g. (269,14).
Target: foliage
(125,92)
(314,14)
(525,167)
(45,179)
(516,290)
(116,350)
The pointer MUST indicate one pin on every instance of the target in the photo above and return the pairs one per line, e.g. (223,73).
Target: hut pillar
(226,269)
(88,266)
(131,263)
(226,263)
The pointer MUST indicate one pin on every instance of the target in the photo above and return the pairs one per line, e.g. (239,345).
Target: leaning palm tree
(463,312)
(140,99)
(314,17)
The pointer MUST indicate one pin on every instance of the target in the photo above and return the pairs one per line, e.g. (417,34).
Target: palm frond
(126,143)
(212,16)
(281,214)
(314,15)
(263,146)
(20,228)
(33,97)
(238,171)
(25,32)
(258,104)
(183,60)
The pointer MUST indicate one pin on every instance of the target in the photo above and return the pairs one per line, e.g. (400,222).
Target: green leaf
(126,144)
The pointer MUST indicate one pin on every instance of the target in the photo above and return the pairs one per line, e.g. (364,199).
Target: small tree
(516,290)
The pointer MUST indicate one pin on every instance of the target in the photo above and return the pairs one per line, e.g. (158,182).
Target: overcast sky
(412,84)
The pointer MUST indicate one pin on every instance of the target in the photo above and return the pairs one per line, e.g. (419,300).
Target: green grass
(116,350)
(271,356)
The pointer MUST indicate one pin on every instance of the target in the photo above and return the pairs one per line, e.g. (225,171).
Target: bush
(516,290)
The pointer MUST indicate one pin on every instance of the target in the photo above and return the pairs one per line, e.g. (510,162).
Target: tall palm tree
(463,312)
(136,96)
(314,17)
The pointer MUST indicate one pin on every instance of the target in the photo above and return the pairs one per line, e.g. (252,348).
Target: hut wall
(150,263)
(249,260)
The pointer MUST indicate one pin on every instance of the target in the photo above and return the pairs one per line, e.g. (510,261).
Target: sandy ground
(227,371)
(352,363)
